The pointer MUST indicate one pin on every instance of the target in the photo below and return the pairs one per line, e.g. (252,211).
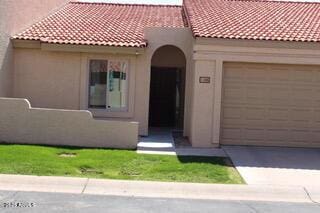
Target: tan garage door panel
(268,104)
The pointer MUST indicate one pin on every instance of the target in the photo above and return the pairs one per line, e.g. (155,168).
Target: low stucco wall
(19,123)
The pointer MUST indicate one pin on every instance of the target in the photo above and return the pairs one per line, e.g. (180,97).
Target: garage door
(269,104)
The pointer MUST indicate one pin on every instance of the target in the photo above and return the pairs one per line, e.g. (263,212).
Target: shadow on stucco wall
(6,67)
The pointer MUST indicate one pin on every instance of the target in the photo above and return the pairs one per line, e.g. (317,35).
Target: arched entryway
(167,88)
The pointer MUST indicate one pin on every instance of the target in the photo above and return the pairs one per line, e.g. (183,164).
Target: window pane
(117,79)
(98,83)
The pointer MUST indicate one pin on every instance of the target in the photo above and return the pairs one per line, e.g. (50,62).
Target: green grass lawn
(114,164)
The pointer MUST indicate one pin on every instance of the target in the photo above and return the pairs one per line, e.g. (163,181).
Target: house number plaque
(204,79)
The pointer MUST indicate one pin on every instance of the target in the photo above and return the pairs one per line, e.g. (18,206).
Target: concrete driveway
(276,165)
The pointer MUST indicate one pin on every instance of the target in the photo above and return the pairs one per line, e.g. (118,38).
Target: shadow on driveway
(275,157)
(277,165)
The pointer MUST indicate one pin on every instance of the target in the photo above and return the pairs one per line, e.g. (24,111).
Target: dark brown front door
(162,97)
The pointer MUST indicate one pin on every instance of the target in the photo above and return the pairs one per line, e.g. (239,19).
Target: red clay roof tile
(110,24)
(254,19)
(104,24)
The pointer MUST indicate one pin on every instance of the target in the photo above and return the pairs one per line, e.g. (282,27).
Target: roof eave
(36,44)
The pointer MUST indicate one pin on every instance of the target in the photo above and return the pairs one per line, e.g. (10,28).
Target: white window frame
(125,112)
(110,109)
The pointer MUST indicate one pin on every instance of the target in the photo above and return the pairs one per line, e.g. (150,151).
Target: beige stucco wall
(201,121)
(53,76)
(56,76)
(183,39)
(209,56)
(14,17)
(47,79)
(19,123)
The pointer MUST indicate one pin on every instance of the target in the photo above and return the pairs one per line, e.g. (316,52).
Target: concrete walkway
(159,189)
(204,152)
(160,141)
(276,165)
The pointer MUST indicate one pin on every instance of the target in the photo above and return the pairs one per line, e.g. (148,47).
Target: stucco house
(234,72)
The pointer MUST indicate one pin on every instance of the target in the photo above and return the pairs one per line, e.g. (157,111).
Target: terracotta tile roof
(104,24)
(110,24)
(254,19)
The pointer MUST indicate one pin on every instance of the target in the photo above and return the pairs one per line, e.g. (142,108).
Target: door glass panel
(98,83)
(118,83)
